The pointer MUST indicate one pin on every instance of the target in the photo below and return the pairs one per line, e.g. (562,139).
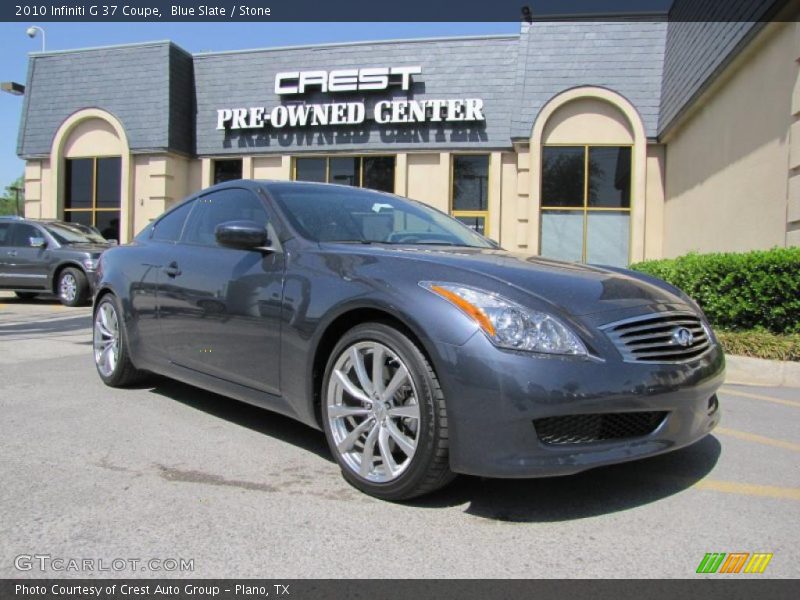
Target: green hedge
(761,344)
(739,291)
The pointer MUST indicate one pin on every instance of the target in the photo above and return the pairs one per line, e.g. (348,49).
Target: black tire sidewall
(409,353)
(81,284)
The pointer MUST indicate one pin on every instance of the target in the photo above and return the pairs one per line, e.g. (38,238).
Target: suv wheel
(73,287)
(384,414)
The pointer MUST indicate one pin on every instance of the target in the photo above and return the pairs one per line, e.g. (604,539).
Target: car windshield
(74,233)
(325,213)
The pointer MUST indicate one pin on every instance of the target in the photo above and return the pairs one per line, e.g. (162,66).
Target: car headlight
(509,325)
(90,264)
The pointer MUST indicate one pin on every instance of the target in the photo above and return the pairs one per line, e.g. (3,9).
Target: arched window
(588,146)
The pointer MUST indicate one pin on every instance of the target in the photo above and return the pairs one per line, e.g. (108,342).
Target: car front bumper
(493,397)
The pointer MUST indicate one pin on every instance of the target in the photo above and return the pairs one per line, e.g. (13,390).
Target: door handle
(12,252)
(172,270)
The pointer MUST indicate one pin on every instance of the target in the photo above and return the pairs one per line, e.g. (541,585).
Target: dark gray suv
(43,257)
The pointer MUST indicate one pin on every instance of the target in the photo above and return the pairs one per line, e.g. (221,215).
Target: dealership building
(605,142)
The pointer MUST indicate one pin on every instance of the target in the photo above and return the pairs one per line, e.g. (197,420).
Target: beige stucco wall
(92,137)
(587,121)
(728,163)
(161,180)
(428,179)
(37,180)
(272,167)
(654,203)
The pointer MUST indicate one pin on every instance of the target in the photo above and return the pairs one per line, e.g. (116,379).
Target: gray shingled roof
(622,56)
(451,68)
(141,85)
(167,99)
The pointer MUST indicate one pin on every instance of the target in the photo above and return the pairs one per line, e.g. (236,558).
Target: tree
(8,201)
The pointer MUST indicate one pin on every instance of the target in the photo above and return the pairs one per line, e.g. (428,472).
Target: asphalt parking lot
(169,471)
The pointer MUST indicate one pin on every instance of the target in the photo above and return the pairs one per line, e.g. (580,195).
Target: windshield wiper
(365,242)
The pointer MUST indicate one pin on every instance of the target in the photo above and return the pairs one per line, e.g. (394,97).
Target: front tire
(384,414)
(73,287)
(110,344)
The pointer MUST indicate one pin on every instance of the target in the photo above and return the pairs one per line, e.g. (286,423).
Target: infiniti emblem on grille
(682,337)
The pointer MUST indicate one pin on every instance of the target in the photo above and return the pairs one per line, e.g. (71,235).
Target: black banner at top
(405,10)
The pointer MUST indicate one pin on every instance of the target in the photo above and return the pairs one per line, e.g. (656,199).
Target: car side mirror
(245,235)
(38,242)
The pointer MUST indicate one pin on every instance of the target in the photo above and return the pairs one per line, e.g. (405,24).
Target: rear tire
(386,425)
(73,287)
(26,295)
(110,345)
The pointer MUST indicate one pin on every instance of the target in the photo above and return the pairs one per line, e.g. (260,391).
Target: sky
(194,37)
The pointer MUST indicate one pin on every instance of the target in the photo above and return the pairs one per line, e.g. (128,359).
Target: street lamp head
(12,87)
(31,31)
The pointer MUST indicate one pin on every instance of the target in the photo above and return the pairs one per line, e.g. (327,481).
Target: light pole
(31,31)
(16,189)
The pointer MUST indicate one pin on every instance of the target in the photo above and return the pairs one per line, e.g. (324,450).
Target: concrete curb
(744,370)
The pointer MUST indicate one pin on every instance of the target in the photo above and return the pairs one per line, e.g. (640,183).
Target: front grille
(579,429)
(657,337)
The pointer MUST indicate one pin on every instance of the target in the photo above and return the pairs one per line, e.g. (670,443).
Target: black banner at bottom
(732,588)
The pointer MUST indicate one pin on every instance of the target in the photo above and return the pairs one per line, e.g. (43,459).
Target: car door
(219,307)
(26,257)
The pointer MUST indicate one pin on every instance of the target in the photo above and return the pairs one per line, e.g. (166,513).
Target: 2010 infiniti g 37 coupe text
(418,346)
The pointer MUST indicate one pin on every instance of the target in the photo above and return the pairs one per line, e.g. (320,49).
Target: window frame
(472,213)
(94,208)
(197,203)
(327,158)
(586,209)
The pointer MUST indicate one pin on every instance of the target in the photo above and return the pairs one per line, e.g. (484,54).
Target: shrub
(761,344)
(739,291)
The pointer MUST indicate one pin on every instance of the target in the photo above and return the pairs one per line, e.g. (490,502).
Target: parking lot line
(729,392)
(759,439)
(748,489)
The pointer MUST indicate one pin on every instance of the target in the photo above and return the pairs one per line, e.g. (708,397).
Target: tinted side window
(233,204)
(21,235)
(5,230)
(169,227)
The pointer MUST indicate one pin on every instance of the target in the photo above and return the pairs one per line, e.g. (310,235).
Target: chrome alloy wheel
(106,339)
(373,411)
(68,287)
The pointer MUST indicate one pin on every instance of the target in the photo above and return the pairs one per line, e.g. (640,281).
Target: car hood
(578,289)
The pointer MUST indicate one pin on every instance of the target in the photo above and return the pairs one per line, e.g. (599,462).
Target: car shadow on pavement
(40,328)
(595,492)
(257,419)
(44,300)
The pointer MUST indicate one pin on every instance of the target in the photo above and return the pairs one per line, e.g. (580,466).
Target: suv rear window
(5,228)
